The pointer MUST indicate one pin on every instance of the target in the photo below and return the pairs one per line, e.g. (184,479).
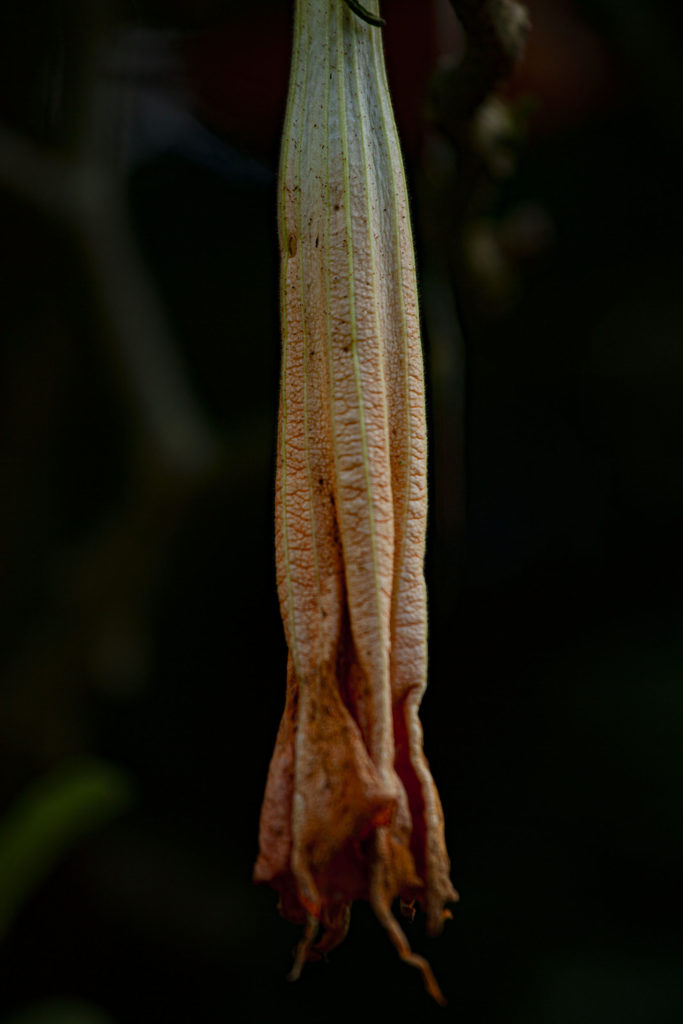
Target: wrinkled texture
(350,810)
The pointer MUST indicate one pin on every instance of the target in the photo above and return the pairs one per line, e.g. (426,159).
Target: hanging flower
(350,810)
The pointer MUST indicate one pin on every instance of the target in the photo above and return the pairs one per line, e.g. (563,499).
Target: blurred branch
(464,106)
(86,196)
(484,132)
(77,187)
(496,31)
(461,168)
(94,616)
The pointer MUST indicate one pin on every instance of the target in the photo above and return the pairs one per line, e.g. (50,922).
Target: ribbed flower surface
(350,810)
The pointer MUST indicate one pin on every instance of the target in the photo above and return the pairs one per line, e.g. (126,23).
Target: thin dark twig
(364,14)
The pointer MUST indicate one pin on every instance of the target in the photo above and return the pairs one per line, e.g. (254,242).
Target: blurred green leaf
(59,1011)
(67,803)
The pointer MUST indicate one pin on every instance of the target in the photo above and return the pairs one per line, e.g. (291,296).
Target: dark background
(140,621)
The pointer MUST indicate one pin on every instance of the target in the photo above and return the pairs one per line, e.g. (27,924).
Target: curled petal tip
(303,950)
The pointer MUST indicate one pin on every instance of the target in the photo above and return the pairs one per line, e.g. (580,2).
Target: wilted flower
(350,810)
